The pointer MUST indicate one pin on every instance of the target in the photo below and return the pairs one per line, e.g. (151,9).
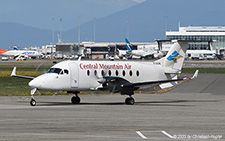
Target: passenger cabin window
(110,73)
(124,73)
(88,72)
(54,70)
(131,73)
(103,73)
(117,73)
(137,73)
(95,72)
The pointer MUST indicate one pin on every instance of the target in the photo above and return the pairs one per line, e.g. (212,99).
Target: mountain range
(39,13)
(145,22)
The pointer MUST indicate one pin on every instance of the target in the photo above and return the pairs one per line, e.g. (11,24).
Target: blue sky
(146,20)
(39,13)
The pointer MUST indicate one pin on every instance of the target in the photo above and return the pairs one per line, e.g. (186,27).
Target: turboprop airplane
(139,53)
(114,76)
(18,53)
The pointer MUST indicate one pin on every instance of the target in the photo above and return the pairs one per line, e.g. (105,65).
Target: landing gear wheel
(129,101)
(32,102)
(75,100)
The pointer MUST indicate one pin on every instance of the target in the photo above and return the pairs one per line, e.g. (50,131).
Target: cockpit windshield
(54,70)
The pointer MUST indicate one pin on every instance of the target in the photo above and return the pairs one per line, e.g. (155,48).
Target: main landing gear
(75,99)
(129,101)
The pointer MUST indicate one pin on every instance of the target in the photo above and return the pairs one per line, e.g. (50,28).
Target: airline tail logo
(2,51)
(173,57)
(128,45)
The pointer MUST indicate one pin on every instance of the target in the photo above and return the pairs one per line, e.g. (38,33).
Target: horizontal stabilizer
(195,75)
(167,85)
(151,82)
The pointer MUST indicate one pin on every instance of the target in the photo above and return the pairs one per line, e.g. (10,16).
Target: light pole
(53,30)
(128,28)
(94,29)
(60,29)
(53,34)
(79,30)
(165,25)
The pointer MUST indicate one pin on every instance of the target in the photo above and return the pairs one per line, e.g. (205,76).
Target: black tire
(75,100)
(129,101)
(32,102)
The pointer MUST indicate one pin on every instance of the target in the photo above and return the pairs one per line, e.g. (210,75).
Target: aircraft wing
(20,76)
(139,84)
(118,84)
(151,82)
(113,84)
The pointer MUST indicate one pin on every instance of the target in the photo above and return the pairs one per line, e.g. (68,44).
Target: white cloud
(139,1)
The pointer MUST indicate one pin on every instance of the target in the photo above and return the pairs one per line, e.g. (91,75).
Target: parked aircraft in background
(19,53)
(114,76)
(200,54)
(138,53)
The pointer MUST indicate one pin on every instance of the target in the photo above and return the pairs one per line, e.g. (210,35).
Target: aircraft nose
(41,82)
(33,84)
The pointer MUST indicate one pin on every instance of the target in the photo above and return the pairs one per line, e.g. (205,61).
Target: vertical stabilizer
(2,51)
(175,57)
(128,45)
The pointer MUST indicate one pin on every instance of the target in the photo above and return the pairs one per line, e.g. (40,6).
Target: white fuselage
(84,75)
(20,52)
(140,53)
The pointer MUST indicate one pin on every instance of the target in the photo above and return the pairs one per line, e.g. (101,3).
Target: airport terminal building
(96,50)
(200,33)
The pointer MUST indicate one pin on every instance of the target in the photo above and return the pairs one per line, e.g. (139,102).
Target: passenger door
(74,75)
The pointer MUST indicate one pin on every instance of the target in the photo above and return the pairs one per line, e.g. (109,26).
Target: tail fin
(175,57)
(128,45)
(2,51)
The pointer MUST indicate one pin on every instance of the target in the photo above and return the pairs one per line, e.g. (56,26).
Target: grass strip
(203,70)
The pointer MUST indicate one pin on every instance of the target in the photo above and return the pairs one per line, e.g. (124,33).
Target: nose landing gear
(33,101)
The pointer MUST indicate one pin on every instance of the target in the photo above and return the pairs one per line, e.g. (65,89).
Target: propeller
(101,77)
(39,67)
(43,67)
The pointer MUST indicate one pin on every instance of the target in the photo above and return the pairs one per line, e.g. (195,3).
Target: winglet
(13,72)
(195,74)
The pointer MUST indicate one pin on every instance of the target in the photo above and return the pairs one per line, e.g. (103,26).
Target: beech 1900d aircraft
(114,76)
